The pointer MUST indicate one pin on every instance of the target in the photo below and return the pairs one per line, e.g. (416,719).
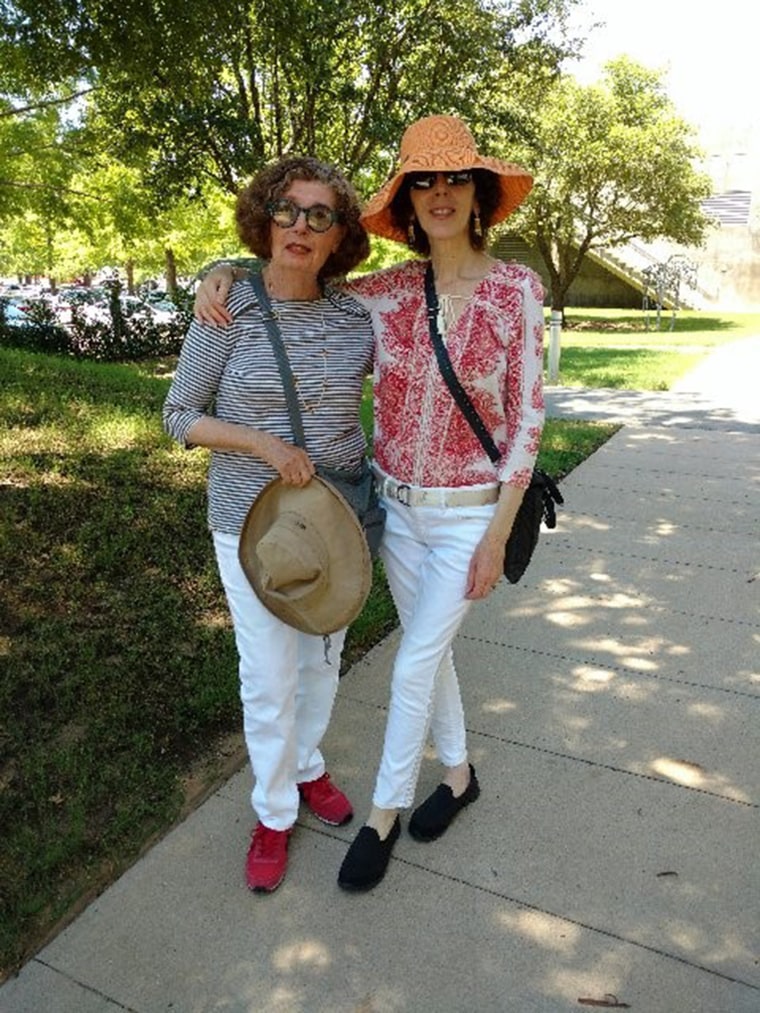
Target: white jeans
(287,688)
(427,553)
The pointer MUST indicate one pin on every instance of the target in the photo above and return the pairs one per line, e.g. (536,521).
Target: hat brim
(340,598)
(514,185)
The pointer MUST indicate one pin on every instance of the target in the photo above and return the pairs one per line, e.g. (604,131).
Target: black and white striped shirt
(231,373)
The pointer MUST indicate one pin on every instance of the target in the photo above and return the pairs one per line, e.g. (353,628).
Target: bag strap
(281,358)
(550,494)
(458,392)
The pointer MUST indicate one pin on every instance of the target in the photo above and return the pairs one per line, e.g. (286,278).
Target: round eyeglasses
(426,180)
(285,212)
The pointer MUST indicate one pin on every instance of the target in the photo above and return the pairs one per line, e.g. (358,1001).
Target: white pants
(287,688)
(427,553)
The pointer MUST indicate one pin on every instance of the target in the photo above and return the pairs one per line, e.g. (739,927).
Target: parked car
(80,297)
(77,295)
(13,290)
(15,315)
(164,311)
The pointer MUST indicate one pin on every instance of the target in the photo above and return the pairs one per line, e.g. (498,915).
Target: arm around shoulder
(210,305)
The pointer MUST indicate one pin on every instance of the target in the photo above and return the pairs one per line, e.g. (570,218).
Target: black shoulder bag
(542,493)
(357,488)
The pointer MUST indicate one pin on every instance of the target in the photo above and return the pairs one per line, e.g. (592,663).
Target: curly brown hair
(254,223)
(487,195)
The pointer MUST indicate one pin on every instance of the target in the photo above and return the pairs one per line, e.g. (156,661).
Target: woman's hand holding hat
(292,464)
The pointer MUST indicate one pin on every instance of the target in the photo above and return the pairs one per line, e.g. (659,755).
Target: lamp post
(555,331)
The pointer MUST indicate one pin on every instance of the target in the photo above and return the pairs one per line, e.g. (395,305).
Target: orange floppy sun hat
(443,144)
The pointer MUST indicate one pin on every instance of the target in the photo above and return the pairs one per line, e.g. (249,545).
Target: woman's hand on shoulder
(211,297)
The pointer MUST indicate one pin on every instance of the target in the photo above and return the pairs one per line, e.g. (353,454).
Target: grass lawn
(624,349)
(118,683)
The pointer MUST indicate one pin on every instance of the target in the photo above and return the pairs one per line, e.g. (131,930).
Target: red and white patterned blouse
(496,348)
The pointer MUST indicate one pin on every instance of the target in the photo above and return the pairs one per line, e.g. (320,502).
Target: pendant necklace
(311,386)
(302,385)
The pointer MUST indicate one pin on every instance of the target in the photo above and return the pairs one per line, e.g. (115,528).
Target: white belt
(416,495)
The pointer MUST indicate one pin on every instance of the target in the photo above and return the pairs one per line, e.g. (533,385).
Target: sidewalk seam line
(622,669)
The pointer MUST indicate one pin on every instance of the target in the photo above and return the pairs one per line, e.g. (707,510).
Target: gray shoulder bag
(357,488)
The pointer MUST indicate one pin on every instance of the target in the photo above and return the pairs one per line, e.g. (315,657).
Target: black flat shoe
(367,859)
(434,816)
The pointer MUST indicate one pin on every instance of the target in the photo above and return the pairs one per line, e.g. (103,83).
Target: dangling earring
(477,228)
(411,235)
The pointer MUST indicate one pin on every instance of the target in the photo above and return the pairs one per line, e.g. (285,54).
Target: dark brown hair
(254,224)
(487,195)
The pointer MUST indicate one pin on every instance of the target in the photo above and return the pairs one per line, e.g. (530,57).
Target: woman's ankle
(457,778)
(382,821)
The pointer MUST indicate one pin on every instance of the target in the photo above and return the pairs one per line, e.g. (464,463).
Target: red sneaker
(267,859)
(327,802)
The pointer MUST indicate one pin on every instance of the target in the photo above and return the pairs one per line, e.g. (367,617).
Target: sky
(709,51)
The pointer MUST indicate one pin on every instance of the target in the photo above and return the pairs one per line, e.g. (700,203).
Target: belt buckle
(403,494)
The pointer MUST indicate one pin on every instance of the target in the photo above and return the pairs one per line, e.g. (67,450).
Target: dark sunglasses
(319,217)
(426,180)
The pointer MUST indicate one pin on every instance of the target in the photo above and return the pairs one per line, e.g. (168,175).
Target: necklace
(307,343)
(272,289)
(448,312)
(306,385)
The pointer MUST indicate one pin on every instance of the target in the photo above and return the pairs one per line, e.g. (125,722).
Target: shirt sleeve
(202,360)
(516,467)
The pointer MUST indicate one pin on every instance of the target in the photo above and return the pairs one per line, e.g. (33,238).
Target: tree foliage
(611,162)
(195,92)
(174,105)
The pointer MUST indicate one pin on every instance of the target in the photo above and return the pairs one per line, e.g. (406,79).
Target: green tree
(39,159)
(193,93)
(126,227)
(611,162)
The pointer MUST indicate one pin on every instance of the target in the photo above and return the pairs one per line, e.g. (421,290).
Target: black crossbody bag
(357,488)
(542,493)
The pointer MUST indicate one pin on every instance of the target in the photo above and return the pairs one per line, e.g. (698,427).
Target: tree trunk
(114,306)
(171,274)
(131,277)
(558,294)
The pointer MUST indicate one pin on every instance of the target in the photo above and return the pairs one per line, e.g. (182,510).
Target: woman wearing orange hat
(449,508)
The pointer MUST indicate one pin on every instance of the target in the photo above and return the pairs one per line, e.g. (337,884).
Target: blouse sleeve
(516,467)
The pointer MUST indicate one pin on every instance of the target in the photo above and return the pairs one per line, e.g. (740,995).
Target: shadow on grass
(119,667)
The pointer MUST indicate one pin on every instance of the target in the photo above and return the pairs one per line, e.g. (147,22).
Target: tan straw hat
(443,144)
(305,555)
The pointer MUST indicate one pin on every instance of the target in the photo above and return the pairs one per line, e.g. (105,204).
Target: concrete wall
(728,266)
(594,285)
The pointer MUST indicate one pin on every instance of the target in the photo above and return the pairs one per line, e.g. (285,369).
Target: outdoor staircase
(631,261)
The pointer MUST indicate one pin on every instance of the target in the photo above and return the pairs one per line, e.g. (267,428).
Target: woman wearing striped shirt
(449,509)
(301,217)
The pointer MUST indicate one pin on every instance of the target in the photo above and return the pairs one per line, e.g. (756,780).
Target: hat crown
(305,555)
(293,558)
(442,141)
(443,144)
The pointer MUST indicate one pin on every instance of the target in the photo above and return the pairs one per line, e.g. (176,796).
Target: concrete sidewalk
(722,395)
(612,698)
